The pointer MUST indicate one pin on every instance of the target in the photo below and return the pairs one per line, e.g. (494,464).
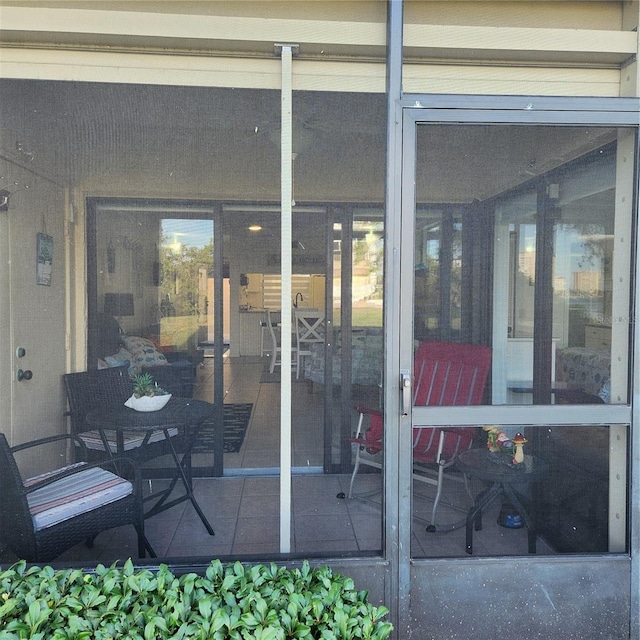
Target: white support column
(286,237)
(620,322)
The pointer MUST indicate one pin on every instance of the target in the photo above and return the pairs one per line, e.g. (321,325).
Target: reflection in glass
(579,219)
(438,274)
(186,284)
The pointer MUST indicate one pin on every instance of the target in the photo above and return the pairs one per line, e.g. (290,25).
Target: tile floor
(243,508)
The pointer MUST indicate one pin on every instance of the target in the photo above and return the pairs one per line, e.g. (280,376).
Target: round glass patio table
(186,414)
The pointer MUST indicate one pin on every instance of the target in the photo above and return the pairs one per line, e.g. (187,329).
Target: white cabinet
(250,332)
(597,336)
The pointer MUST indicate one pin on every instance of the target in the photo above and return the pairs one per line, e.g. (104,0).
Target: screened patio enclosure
(419,175)
(204,272)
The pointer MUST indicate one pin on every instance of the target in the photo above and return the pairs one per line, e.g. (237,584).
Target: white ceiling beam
(317,38)
(189,32)
(519,43)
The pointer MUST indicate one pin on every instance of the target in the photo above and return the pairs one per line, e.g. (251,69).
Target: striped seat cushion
(132,439)
(79,493)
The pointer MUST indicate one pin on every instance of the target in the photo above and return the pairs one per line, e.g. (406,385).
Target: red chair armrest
(367,410)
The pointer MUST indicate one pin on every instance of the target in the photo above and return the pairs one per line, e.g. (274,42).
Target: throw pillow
(120,358)
(144,352)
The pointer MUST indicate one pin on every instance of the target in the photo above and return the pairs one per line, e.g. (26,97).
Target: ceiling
(83,132)
(194,142)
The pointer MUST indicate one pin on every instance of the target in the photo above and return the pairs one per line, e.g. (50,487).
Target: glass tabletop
(496,467)
(178,412)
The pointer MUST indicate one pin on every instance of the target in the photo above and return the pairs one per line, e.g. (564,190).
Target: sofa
(174,371)
(585,370)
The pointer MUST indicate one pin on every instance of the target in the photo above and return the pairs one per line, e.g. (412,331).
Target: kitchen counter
(251,331)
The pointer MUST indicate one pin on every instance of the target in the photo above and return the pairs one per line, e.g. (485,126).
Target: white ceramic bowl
(147,403)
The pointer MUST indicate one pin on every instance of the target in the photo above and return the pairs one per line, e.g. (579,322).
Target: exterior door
(27,332)
(513,232)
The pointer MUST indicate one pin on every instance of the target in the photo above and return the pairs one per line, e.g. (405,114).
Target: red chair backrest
(450,374)
(445,374)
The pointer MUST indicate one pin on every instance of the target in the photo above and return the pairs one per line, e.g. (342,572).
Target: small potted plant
(147,395)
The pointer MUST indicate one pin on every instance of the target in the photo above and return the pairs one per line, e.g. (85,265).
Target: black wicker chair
(45,515)
(89,390)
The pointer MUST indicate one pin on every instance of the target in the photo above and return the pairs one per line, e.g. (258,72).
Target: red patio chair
(444,374)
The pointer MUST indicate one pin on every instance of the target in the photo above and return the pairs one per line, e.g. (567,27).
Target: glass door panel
(336,255)
(155,294)
(338,171)
(518,252)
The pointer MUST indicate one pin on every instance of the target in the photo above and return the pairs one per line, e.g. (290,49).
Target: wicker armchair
(89,390)
(45,515)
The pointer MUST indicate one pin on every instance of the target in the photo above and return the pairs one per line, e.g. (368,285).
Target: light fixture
(255,228)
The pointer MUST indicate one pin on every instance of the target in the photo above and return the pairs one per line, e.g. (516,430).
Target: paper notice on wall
(44,259)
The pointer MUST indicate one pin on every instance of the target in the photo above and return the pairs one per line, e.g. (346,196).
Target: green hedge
(230,601)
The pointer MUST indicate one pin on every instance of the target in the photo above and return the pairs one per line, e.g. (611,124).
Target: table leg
(186,480)
(474,517)
(144,546)
(529,521)
(184,474)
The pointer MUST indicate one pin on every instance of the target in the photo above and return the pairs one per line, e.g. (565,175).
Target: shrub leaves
(232,602)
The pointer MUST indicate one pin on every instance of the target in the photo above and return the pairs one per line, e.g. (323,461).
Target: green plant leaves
(232,602)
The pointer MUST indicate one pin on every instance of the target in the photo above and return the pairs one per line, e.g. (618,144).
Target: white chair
(309,328)
(276,348)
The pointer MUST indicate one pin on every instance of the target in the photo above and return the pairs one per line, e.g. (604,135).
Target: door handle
(405,387)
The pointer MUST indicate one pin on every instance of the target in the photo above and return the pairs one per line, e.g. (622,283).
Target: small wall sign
(44,259)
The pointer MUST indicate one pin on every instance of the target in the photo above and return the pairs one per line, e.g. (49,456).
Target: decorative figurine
(492,434)
(518,441)
(504,442)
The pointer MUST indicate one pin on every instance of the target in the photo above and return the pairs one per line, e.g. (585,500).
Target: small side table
(512,481)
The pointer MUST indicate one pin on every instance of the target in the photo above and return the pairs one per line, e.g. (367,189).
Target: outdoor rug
(236,421)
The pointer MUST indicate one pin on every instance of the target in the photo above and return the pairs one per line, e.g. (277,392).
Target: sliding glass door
(156,303)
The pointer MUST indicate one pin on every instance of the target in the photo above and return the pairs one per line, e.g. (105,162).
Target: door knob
(24,375)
